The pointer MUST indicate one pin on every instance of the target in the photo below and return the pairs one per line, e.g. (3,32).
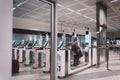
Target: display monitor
(17,43)
(87,38)
(30,43)
(45,44)
(60,44)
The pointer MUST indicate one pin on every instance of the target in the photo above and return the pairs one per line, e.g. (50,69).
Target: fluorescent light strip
(60,5)
(113,1)
(21,3)
(86,16)
(68,13)
(70,9)
(78,13)
(82,9)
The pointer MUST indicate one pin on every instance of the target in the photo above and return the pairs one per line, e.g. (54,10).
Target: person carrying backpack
(77,51)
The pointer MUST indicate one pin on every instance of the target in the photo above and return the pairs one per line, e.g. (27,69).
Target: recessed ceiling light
(113,1)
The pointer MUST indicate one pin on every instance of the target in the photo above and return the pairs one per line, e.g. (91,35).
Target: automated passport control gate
(64,67)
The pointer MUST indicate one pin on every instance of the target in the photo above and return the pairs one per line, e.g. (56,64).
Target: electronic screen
(60,44)
(31,43)
(86,38)
(45,44)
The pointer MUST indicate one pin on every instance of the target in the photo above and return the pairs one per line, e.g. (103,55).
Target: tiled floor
(90,74)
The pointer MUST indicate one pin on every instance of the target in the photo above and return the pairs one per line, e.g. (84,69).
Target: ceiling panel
(59,7)
(74,15)
(86,11)
(65,18)
(42,11)
(82,0)
(94,8)
(90,2)
(46,17)
(77,7)
(77,17)
(66,2)
(47,7)
(28,6)
(111,14)
(91,13)
(64,11)
(37,3)
(19,12)
(35,14)
(109,0)
(39,19)
(16,2)
(118,9)
(77,12)
(116,4)
(28,17)
(82,19)
(109,10)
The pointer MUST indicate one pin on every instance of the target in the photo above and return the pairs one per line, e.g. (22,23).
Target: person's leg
(84,57)
(77,61)
(74,60)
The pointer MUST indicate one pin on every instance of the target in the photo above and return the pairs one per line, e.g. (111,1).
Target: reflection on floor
(82,64)
(28,73)
(89,74)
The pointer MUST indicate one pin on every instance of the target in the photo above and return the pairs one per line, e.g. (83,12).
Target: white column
(53,62)
(5,39)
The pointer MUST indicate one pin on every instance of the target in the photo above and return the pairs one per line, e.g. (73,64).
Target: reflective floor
(28,73)
(90,74)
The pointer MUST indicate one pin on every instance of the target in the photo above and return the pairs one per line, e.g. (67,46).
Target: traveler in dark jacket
(76,49)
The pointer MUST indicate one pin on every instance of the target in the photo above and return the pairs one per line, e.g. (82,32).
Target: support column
(53,66)
(5,39)
(101,28)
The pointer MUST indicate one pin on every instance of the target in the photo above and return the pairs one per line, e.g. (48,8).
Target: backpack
(79,53)
(77,50)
